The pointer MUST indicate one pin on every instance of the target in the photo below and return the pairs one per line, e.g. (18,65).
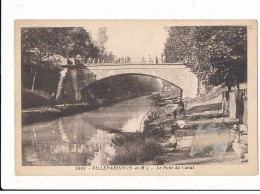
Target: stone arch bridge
(175,73)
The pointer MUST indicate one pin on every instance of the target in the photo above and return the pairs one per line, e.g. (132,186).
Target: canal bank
(154,145)
(197,115)
(47,113)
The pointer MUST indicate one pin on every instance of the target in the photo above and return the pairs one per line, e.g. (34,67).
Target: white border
(106,9)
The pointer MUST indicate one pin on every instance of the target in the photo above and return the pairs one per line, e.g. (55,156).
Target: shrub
(36,98)
(153,115)
(132,149)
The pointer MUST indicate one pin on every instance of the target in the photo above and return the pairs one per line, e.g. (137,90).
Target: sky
(132,39)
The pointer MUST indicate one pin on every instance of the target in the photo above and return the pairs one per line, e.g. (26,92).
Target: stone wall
(75,81)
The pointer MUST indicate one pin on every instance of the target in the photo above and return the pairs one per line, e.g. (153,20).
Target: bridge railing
(126,60)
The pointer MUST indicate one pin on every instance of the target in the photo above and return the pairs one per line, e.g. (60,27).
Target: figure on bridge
(143,60)
(150,59)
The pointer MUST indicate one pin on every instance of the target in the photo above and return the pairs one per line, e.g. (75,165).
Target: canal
(82,139)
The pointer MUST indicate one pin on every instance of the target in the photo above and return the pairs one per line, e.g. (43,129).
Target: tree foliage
(217,54)
(42,49)
(68,42)
(104,54)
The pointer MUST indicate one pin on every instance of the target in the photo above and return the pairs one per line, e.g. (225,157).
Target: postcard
(136,97)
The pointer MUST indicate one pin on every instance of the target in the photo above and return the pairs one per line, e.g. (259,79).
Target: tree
(104,54)
(36,42)
(217,54)
(68,42)
(40,43)
(180,38)
(102,40)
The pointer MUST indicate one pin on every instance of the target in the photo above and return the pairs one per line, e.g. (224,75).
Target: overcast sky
(132,39)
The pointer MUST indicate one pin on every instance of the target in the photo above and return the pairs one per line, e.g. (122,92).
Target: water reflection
(82,139)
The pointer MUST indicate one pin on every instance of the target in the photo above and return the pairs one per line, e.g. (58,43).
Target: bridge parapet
(134,65)
(128,60)
(175,73)
(120,64)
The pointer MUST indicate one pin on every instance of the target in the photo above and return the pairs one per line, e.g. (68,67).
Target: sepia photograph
(133,97)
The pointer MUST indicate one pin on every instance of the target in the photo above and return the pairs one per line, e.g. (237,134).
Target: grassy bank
(134,148)
(153,146)
(38,114)
(140,147)
(47,113)
(35,98)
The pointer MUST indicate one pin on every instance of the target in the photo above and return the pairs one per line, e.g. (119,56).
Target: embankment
(40,114)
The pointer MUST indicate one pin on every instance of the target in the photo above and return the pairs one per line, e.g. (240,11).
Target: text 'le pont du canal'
(142,167)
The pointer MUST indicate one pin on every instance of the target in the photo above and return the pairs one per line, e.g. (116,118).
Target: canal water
(82,139)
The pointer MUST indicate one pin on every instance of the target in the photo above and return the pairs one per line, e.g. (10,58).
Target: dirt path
(198,113)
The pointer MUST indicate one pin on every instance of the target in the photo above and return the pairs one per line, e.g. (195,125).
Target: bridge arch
(177,74)
(142,74)
(173,87)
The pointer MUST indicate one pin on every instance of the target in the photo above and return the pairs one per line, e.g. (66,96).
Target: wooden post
(34,79)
